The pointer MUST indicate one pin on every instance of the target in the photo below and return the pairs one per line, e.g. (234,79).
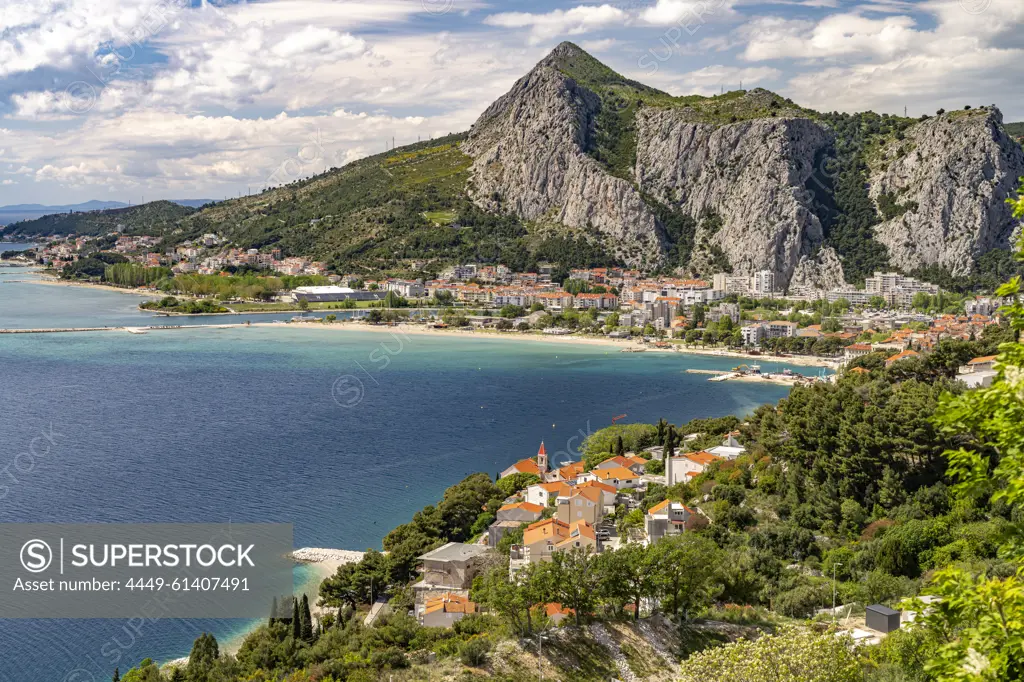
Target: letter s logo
(36,556)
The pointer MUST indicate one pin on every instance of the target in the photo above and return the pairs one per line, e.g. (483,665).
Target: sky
(136,100)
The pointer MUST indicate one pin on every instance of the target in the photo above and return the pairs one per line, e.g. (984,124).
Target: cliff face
(945,187)
(738,165)
(528,159)
(751,174)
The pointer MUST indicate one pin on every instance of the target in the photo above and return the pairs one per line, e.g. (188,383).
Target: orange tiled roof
(592,494)
(903,355)
(702,457)
(663,506)
(548,529)
(527,466)
(571,470)
(983,360)
(659,507)
(525,506)
(449,603)
(557,488)
(598,485)
(621,473)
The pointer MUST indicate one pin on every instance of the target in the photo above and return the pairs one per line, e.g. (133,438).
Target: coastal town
(438,341)
(892,312)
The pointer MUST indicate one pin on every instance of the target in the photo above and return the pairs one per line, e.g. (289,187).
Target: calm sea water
(345,434)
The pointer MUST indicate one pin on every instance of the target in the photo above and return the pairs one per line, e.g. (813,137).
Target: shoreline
(50,280)
(325,562)
(412,329)
(573,339)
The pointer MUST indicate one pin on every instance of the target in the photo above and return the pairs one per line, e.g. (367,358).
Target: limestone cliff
(943,190)
(737,167)
(751,174)
(529,159)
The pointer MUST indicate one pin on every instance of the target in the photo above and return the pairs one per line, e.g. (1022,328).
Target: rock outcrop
(751,174)
(745,163)
(945,186)
(529,159)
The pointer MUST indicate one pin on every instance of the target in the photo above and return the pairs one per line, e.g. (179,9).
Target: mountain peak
(578,64)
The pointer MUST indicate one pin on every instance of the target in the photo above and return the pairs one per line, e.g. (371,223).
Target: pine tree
(891,493)
(306,629)
(205,651)
(296,622)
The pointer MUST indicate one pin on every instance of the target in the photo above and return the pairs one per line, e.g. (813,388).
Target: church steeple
(542,460)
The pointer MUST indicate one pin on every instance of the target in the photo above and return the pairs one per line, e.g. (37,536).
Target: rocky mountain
(750,175)
(745,181)
(943,191)
(578,166)
(529,159)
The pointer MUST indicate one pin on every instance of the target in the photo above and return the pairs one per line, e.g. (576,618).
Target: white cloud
(576,21)
(314,40)
(687,14)
(59,33)
(836,36)
(855,63)
(599,45)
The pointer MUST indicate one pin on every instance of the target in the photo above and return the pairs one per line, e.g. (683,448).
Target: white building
(682,468)
(763,282)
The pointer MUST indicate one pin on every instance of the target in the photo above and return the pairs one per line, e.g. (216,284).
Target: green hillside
(151,218)
(380,213)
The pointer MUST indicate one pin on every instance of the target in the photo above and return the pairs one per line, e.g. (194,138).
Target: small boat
(136,330)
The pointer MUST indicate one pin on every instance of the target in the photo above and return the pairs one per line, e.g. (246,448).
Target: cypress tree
(661,432)
(117,675)
(620,449)
(296,622)
(273,613)
(307,620)
(670,441)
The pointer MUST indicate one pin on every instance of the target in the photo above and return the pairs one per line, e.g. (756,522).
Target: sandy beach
(49,280)
(574,339)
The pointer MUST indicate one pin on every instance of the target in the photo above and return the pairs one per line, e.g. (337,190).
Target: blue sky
(144,99)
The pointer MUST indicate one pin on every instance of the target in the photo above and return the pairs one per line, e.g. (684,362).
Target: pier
(130,330)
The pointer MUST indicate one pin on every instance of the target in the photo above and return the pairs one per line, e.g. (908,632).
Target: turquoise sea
(345,434)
